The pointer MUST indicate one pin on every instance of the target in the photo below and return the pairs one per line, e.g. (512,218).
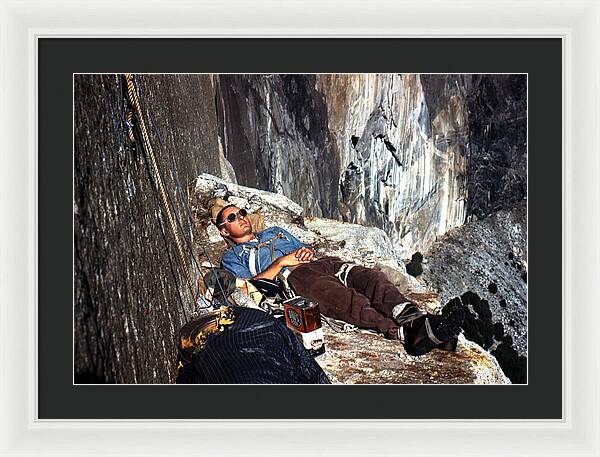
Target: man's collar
(251,240)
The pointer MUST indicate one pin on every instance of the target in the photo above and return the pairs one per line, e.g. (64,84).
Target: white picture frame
(577,23)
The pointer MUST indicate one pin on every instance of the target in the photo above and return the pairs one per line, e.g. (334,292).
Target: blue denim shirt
(237,258)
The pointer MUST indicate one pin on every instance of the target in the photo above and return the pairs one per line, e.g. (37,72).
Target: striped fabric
(255,349)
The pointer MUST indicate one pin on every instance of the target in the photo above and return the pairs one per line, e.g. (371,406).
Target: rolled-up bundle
(243,346)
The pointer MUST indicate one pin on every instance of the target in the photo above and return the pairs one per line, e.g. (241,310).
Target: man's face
(238,228)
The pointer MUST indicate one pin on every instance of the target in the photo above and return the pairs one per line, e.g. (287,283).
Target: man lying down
(347,291)
(247,346)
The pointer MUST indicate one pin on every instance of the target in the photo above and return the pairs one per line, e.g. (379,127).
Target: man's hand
(301,255)
(304,254)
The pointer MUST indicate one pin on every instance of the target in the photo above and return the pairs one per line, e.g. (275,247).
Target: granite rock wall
(411,154)
(131,289)
(484,263)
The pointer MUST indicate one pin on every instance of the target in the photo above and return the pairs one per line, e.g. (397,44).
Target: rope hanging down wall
(132,95)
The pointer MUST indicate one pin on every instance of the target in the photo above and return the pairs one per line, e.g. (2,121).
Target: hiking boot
(429,332)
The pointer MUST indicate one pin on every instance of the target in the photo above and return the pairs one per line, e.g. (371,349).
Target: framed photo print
(338,228)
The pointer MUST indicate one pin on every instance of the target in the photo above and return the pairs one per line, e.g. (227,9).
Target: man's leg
(316,281)
(374,284)
(423,331)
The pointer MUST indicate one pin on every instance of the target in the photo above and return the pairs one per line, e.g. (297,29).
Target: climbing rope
(174,222)
(339,326)
(133,98)
(185,205)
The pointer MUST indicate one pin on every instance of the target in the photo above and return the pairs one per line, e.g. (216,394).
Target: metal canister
(303,317)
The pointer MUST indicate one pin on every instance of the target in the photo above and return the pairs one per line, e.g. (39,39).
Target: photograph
(318,228)
(310,228)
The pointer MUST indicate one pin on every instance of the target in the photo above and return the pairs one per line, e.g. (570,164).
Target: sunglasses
(233,216)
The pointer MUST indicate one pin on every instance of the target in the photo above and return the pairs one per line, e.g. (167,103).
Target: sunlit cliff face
(403,168)
(361,148)
(411,154)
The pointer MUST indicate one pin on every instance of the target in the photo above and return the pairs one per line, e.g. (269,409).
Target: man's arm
(301,255)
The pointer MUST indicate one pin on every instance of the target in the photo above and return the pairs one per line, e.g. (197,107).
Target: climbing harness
(256,247)
(252,262)
(344,271)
